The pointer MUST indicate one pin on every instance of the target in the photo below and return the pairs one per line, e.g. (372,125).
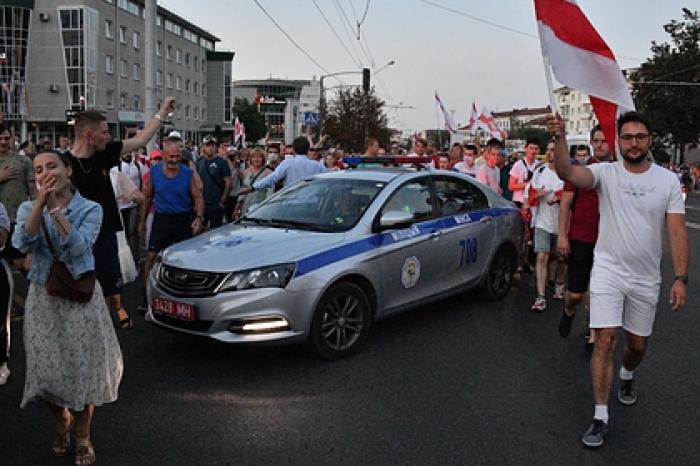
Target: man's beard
(635,160)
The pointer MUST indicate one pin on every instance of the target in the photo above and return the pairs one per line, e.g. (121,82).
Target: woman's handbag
(61,283)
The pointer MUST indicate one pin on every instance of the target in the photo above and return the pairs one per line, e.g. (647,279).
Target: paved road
(461,381)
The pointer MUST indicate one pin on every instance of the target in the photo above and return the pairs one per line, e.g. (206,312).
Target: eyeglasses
(641,137)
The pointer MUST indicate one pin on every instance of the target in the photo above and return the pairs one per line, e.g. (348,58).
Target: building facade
(575,107)
(283,103)
(75,54)
(519,117)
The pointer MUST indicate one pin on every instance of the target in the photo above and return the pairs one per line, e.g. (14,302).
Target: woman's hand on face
(46,189)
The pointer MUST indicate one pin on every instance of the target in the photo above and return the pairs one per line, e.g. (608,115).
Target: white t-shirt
(462,167)
(633,208)
(546,179)
(490,176)
(519,171)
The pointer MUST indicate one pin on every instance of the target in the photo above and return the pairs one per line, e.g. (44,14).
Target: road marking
(690,207)
(694,226)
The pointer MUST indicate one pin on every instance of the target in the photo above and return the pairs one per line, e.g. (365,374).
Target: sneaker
(626,393)
(558,291)
(540,304)
(565,324)
(4,373)
(595,435)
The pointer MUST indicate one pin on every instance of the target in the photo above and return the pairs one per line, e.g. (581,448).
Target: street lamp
(321,99)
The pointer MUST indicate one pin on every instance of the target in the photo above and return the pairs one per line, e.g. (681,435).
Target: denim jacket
(74,250)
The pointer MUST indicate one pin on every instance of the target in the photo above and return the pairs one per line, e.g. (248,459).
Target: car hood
(237,247)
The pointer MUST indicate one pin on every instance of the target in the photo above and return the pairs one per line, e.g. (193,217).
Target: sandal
(61,439)
(85,455)
(126,323)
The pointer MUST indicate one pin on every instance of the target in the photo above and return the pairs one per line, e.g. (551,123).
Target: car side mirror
(395,219)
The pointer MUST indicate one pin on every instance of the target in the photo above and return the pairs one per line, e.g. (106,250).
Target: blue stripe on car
(345,251)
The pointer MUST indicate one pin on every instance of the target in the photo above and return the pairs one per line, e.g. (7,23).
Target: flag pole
(547,73)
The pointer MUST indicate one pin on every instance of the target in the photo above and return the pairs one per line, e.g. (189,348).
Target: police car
(323,259)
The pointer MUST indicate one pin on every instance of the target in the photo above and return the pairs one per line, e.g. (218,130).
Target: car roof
(376,174)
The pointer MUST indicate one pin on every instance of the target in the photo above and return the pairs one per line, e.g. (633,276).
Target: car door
(469,229)
(409,265)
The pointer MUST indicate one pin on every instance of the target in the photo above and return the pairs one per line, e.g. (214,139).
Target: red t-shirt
(583,225)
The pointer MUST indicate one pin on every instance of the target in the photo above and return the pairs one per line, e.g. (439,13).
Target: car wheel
(341,322)
(500,276)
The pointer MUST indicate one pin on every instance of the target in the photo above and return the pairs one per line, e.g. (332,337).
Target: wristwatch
(683,278)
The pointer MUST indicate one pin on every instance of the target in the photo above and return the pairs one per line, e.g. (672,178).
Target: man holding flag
(636,198)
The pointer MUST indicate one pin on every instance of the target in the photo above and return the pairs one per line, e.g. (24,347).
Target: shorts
(617,301)
(169,229)
(580,264)
(545,241)
(107,268)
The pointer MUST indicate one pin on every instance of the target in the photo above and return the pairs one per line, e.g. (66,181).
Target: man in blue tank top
(172,190)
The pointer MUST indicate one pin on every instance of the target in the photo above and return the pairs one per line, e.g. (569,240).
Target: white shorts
(618,301)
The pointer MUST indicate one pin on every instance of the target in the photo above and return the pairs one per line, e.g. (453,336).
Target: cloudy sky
(483,50)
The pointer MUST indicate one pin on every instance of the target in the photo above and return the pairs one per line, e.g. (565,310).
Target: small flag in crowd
(449,123)
(580,59)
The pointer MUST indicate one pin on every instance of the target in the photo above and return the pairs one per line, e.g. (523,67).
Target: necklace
(92,166)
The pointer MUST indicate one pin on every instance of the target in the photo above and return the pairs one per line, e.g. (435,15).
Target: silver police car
(323,259)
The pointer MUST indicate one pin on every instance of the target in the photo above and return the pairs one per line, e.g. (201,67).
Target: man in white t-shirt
(545,192)
(490,174)
(636,198)
(467,165)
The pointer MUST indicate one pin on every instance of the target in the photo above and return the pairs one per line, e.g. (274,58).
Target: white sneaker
(4,373)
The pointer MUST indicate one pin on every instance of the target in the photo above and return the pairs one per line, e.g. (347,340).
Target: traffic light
(365,80)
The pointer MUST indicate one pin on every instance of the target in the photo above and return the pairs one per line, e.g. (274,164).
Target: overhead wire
(342,43)
(345,29)
(299,47)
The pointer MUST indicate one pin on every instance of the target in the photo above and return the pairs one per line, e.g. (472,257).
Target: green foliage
(674,110)
(528,132)
(353,117)
(250,116)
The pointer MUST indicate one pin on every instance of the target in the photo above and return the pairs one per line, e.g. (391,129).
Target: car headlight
(274,276)
(155,270)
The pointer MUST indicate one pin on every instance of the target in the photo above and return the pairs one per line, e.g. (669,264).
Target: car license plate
(174,309)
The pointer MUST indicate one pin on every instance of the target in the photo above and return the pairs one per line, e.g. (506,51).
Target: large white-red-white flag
(581,59)
(489,122)
(449,122)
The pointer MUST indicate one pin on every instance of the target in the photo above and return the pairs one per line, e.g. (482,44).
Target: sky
(458,56)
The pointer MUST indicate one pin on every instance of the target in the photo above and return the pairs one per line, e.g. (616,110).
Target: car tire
(340,325)
(500,275)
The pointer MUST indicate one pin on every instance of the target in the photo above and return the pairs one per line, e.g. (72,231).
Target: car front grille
(183,282)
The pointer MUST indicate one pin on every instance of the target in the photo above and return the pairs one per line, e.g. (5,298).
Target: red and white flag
(489,123)
(449,122)
(581,59)
(238,131)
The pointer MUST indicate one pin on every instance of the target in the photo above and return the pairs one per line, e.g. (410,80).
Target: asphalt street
(463,381)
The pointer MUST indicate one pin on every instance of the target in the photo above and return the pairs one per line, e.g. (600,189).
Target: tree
(518,131)
(250,116)
(353,117)
(673,110)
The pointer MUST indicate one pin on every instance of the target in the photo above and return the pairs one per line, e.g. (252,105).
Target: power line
(500,26)
(344,15)
(675,73)
(666,83)
(357,62)
(313,60)
(345,29)
(364,15)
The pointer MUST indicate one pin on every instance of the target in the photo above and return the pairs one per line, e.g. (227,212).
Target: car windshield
(318,204)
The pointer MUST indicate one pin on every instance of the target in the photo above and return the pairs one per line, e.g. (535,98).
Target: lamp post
(321,99)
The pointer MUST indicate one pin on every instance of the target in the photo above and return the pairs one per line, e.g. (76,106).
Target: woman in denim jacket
(74,362)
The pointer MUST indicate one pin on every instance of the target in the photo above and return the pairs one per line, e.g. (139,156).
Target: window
(187,85)
(122,34)
(159,77)
(196,63)
(159,48)
(187,59)
(204,66)
(109,102)
(187,111)
(456,196)
(195,88)
(137,40)
(122,100)
(168,81)
(123,65)
(109,64)
(204,114)
(204,89)
(137,72)
(196,113)
(169,52)
(108,29)
(137,102)
(178,56)
(178,83)
(412,198)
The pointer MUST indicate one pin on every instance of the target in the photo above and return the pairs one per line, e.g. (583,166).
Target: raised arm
(581,177)
(145,135)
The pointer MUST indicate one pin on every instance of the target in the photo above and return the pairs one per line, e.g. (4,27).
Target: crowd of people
(58,205)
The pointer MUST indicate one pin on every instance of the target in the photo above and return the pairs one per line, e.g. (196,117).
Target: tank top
(172,195)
